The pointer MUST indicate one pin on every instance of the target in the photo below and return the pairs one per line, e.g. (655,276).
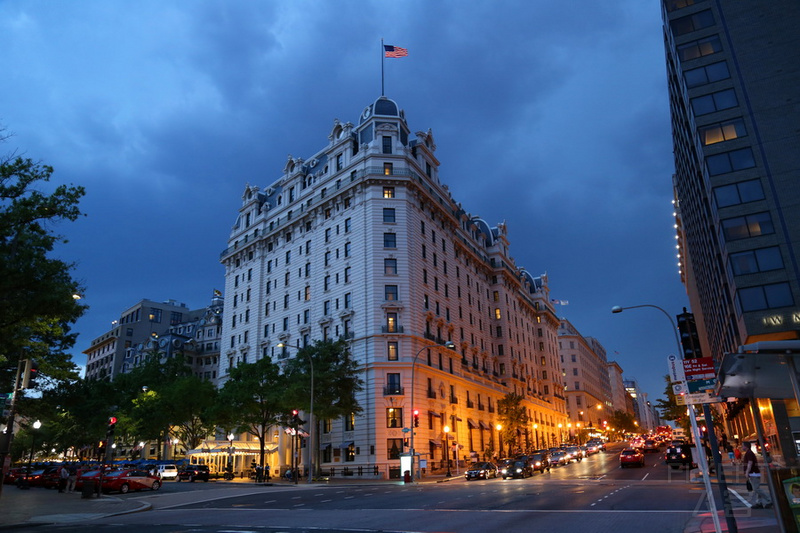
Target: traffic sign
(700,368)
(679,388)
(702,397)
(675,365)
(700,385)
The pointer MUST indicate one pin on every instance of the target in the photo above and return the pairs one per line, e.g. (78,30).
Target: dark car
(194,472)
(521,469)
(677,456)
(540,461)
(481,471)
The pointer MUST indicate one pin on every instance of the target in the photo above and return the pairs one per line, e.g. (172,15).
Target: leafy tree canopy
(37,303)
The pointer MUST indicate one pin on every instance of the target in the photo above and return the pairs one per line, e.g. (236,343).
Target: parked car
(677,456)
(168,471)
(125,481)
(631,456)
(481,471)
(13,474)
(89,476)
(517,469)
(194,472)
(540,461)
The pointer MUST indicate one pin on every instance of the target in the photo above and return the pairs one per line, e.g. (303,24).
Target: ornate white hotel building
(362,240)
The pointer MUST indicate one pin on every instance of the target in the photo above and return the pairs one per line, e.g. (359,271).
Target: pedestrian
(737,454)
(72,478)
(731,454)
(63,475)
(758,498)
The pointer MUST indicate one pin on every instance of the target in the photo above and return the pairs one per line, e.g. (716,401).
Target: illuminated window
(388,169)
(722,131)
(388,192)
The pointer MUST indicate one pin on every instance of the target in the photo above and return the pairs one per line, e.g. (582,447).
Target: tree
(191,401)
(37,292)
(513,417)
(254,400)
(336,382)
(670,410)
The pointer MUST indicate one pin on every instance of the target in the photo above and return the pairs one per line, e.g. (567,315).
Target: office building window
(388,214)
(722,131)
(753,225)
(387,144)
(753,261)
(350,422)
(390,292)
(730,161)
(391,322)
(388,192)
(674,5)
(391,351)
(390,240)
(700,48)
(738,193)
(707,74)
(693,22)
(388,169)
(709,103)
(394,448)
(765,297)
(390,266)
(394,415)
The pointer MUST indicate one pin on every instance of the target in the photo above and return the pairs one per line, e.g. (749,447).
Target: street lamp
(446,430)
(311,434)
(561,433)
(229,473)
(449,344)
(693,419)
(499,427)
(36,426)
(536,434)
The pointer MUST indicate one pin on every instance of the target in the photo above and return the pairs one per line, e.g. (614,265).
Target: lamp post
(536,434)
(36,426)
(449,344)
(446,430)
(311,434)
(499,427)
(229,473)
(701,457)
(561,433)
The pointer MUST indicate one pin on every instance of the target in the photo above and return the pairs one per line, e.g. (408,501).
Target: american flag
(394,51)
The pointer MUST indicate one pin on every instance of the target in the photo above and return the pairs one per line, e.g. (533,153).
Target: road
(594,495)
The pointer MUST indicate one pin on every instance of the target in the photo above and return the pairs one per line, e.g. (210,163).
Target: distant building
(136,325)
(586,380)
(363,241)
(619,397)
(643,412)
(733,84)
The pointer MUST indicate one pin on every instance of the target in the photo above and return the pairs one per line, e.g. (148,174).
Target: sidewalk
(747,520)
(48,506)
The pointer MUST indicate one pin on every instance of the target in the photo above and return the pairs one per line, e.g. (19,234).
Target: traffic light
(30,373)
(416,418)
(690,340)
(112,424)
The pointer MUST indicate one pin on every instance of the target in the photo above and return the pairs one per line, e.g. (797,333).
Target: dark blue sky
(550,116)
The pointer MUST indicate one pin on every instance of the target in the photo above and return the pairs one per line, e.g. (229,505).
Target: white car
(168,471)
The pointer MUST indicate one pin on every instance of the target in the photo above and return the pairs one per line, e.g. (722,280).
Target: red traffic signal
(112,420)
(416,418)
(30,373)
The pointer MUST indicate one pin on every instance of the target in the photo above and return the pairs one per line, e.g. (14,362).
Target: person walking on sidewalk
(63,475)
(73,477)
(758,498)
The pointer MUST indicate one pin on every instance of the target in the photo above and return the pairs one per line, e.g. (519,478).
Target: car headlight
(519,470)
(538,463)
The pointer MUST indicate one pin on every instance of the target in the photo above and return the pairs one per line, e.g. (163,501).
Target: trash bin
(407,476)
(87,490)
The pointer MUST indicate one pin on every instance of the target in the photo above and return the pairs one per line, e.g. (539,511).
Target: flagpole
(382,61)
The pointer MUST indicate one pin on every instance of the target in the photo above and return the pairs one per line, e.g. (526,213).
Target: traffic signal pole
(5,445)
